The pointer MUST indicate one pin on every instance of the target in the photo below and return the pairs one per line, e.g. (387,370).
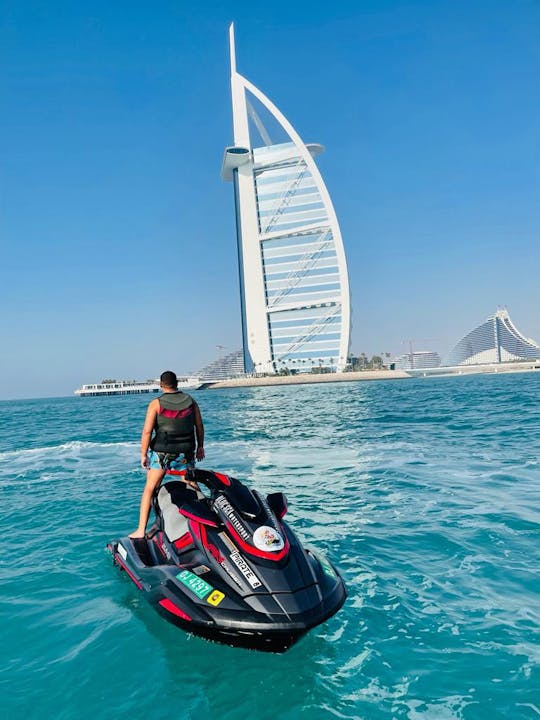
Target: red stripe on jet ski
(203,521)
(212,549)
(199,531)
(183,541)
(196,529)
(125,567)
(223,478)
(174,609)
(255,551)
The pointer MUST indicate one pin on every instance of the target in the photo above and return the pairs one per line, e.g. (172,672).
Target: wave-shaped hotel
(497,340)
(293,274)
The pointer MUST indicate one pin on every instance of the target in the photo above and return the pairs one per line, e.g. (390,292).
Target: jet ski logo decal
(266,538)
(244,568)
(218,557)
(223,504)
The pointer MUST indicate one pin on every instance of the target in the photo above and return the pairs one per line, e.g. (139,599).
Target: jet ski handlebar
(240,495)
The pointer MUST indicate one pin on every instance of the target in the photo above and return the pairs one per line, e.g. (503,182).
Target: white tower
(293,273)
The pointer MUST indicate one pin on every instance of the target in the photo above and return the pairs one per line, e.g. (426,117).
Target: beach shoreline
(366,375)
(310,378)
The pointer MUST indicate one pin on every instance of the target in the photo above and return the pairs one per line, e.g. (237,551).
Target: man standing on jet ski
(175,420)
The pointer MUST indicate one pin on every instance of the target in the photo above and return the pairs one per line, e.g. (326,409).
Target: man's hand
(145,461)
(200,453)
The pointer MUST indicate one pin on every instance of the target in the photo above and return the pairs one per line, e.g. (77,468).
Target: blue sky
(117,238)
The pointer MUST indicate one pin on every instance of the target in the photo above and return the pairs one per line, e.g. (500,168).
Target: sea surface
(425,493)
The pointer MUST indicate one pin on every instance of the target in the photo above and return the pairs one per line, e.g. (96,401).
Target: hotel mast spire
(232,49)
(294,288)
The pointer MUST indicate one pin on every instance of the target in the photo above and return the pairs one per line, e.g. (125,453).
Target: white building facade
(497,340)
(293,273)
(418,359)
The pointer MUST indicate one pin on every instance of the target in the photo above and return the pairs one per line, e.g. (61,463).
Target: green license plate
(196,584)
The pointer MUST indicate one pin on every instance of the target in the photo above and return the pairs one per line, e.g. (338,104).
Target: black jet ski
(225,566)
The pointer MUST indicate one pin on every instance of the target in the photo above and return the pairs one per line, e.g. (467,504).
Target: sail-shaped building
(497,340)
(293,274)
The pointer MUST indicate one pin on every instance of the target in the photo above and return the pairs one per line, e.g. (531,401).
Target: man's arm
(149,423)
(199,432)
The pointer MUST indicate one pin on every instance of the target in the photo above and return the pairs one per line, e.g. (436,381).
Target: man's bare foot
(137,534)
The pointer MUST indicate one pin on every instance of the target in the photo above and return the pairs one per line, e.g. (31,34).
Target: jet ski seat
(169,498)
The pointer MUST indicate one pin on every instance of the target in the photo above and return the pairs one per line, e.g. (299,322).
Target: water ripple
(425,493)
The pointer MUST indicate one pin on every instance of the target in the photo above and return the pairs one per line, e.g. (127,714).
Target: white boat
(131,387)
(190,382)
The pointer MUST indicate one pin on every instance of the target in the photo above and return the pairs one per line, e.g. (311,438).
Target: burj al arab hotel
(293,273)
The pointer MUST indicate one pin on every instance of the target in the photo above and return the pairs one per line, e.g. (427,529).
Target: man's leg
(153,478)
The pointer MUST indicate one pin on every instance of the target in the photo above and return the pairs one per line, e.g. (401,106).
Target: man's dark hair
(169,379)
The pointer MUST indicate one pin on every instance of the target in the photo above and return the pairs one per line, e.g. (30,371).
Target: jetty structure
(117,387)
(133,387)
(294,287)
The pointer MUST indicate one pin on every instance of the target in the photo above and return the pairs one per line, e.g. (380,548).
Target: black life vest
(175,425)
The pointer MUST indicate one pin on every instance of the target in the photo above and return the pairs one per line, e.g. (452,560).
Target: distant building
(294,287)
(230,366)
(418,360)
(497,340)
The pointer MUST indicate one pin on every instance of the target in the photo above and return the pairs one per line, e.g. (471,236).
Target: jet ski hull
(211,583)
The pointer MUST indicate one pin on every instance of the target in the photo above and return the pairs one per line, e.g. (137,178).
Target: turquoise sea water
(425,493)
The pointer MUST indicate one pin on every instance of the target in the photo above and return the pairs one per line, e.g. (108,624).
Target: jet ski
(224,565)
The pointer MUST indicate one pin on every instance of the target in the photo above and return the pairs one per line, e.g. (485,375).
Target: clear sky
(117,237)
